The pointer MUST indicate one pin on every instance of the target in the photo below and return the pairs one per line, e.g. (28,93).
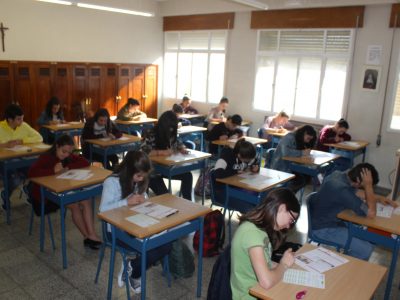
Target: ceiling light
(253,3)
(57,2)
(118,10)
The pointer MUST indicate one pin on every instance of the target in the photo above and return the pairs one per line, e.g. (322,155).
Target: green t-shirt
(243,276)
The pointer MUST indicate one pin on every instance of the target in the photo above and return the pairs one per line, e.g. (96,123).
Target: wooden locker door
(61,88)
(94,87)
(24,90)
(138,86)
(150,91)
(79,84)
(124,84)
(6,85)
(110,91)
(42,81)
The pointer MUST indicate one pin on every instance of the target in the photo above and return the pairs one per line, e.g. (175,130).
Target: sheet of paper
(319,260)
(256,180)
(74,123)
(76,175)
(180,156)
(61,125)
(19,148)
(123,138)
(384,211)
(397,211)
(106,139)
(157,211)
(350,144)
(305,278)
(42,146)
(142,220)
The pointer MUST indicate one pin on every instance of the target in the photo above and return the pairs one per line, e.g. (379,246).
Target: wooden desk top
(126,139)
(187,212)
(34,149)
(192,116)
(65,126)
(391,225)
(183,159)
(58,185)
(356,279)
(274,178)
(137,122)
(315,158)
(231,143)
(349,146)
(190,129)
(276,133)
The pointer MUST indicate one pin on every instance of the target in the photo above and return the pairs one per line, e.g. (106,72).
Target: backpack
(214,234)
(220,281)
(181,260)
(198,189)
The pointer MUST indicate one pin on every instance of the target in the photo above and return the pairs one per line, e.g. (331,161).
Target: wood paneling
(199,22)
(149,105)
(395,16)
(24,90)
(43,73)
(62,89)
(110,90)
(6,85)
(332,17)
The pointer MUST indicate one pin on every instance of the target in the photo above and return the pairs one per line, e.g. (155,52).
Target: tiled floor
(27,273)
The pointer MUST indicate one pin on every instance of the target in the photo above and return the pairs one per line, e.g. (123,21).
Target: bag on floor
(181,260)
(214,234)
(198,189)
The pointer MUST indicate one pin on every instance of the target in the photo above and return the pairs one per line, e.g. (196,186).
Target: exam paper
(42,146)
(61,125)
(123,138)
(19,148)
(142,220)
(319,260)
(256,180)
(154,210)
(74,123)
(305,278)
(180,156)
(350,144)
(76,175)
(384,211)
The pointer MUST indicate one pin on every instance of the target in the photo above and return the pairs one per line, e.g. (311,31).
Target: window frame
(396,86)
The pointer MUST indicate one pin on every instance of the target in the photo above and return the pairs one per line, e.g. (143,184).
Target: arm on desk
(110,197)
(30,135)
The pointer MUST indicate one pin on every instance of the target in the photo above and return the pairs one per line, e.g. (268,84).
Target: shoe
(95,245)
(135,285)
(121,275)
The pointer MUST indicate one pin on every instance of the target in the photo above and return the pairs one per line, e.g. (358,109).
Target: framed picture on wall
(370,78)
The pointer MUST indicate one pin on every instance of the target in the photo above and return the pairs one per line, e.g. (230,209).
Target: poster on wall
(370,78)
(374,55)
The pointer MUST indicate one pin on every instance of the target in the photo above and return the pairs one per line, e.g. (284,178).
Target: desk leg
(200,259)
(41,218)
(63,243)
(6,195)
(112,261)
(91,153)
(201,142)
(392,269)
(364,151)
(203,181)
(105,159)
(143,257)
(169,183)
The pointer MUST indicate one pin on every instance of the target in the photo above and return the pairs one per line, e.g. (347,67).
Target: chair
(260,132)
(311,237)
(269,155)
(219,286)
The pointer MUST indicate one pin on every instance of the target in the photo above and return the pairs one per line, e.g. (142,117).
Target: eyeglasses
(294,219)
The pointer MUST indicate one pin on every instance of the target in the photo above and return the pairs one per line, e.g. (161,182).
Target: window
(395,122)
(194,65)
(303,72)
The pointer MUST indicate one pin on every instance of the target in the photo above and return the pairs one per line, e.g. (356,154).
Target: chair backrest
(268,160)
(260,132)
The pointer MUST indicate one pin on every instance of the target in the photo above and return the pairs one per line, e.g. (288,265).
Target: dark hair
(12,111)
(245,149)
(102,112)
(63,140)
(49,106)
(166,130)
(236,119)
(343,123)
(133,102)
(185,98)
(355,173)
(177,109)
(264,214)
(299,136)
(224,100)
(134,162)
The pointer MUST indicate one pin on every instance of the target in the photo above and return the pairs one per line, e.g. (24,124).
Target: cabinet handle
(144,96)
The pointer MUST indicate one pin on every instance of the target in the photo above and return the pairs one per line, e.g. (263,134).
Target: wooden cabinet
(107,85)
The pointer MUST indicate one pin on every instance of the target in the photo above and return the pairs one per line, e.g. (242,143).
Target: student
(178,111)
(57,160)
(346,190)
(243,157)
(131,111)
(186,106)
(260,231)
(50,116)
(297,143)
(127,187)
(162,140)
(14,132)
(100,126)
(225,130)
(277,123)
(333,134)
(217,113)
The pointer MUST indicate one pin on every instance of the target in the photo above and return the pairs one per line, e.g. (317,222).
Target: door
(110,92)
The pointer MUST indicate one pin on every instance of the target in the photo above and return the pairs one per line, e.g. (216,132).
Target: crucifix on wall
(2,32)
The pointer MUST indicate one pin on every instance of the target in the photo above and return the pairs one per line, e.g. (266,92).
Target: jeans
(358,248)
(157,185)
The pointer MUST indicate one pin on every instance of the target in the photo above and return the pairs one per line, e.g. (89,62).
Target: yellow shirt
(24,132)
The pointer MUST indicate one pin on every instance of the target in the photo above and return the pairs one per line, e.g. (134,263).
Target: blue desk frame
(389,242)
(349,154)
(112,149)
(134,128)
(63,199)
(312,171)
(185,136)
(148,243)
(58,133)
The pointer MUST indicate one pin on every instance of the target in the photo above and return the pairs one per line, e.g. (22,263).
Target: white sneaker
(135,285)
(121,275)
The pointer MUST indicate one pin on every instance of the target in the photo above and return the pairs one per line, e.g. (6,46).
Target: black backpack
(181,260)
(220,282)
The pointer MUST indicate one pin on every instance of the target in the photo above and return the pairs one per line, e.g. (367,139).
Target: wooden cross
(2,30)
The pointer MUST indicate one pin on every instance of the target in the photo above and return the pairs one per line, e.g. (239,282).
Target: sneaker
(121,275)
(135,285)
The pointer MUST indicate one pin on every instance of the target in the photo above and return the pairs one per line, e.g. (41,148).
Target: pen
(171,213)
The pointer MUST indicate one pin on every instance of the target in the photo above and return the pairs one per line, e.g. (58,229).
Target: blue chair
(311,237)
(269,155)
(260,132)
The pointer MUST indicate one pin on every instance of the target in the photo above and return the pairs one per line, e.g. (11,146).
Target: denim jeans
(358,248)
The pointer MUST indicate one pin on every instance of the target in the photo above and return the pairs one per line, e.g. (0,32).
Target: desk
(194,118)
(67,191)
(184,163)
(356,279)
(312,164)
(11,160)
(70,128)
(107,146)
(141,238)
(391,225)
(276,136)
(131,126)
(186,131)
(231,142)
(349,149)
